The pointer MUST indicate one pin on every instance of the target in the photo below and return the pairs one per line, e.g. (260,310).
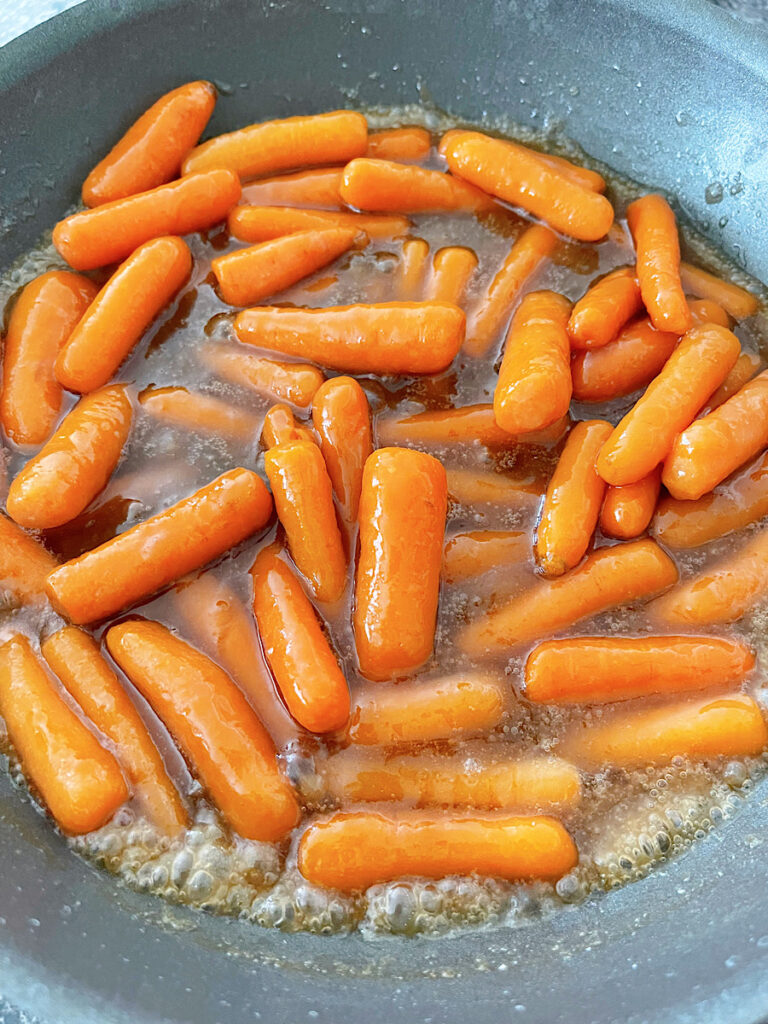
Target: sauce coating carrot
(24,564)
(599,315)
(466,424)
(280,426)
(735,300)
(452,270)
(412,270)
(317,189)
(744,369)
(388,187)
(628,510)
(469,487)
(654,231)
(262,223)
(480,551)
(404,144)
(202,414)
(292,382)
(342,419)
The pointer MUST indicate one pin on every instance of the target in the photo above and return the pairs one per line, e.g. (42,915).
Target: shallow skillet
(674,94)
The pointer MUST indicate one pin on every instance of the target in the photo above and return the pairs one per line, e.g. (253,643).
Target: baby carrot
(608,577)
(654,231)
(599,315)
(411,270)
(386,338)
(596,669)
(479,551)
(273,146)
(492,313)
(127,304)
(388,187)
(572,503)
(316,188)
(262,223)
(467,424)
(248,276)
(342,420)
(520,177)
(704,311)
(46,313)
(213,724)
(79,781)
(712,447)
(303,496)
(152,554)
(292,382)
(280,426)
(472,487)
(24,564)
(452,270)
(628,510)
(403,144)
(352,851)
(644,437)
(744,369)
(75,465)
(109,233)
(735,300)
(202,414)
(439,709)
(151,151)
(729,726)
(75,658)
(402,513)
(534,385)
(299,654)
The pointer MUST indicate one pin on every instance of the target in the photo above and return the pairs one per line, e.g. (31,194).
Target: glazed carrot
(472,487)
(352,851)
(292,382)
(609,577)
(531,784)
(78,779)
(654,231)
(46,313)
(302,662)
(163,548)
(151,151)
(467,424)
(202,414)
(386,338)
(127,304)
(452,270)
(600,314)
(744,369)
(443,708)
(75,658)
(213,724)
(628,510)
(412,270)
(534,386)
(402,514)
(342,420)
(729,726)
(388,187)
(224,628)
(734,504)
(712,447)
(75,465)
(303,496)
(262,223)
(479,551)
(492,313)
(280,426)
(24,564)
(403,144)
(109,233)
(519,176)
(595,669)
(317,188)
(737,301)
(272,146)
(247,276)
(645,436)
(572,503)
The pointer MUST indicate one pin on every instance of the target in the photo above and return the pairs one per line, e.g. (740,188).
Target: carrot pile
(394,534)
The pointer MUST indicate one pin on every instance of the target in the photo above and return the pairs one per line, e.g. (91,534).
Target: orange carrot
(353,851)
(388,187)
(596,669)
(77,778)
(479,551)
(412,270)
(342,420)
(452,270)
(24,564)
(302,662)
(744,369)
(534,385)
(109,233)
(492,313)
(609,577)
(628,510)
(273,146)
(249,275)
(163,548)
(467,424)
(600,314)
(654,231)
(280,426)
(45,314)
(121,312)
(645,436)
(292,382)
(75,465)
(202,414)
(737,301)
(388,338)
(262,223)
(303,496)
(213,724)
(403,144)
(729,726)
(471,487)
(316,188)
(151,151)
(75,658)
(572,503)
(402,514)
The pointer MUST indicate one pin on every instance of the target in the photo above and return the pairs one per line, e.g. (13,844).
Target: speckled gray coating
(675,95)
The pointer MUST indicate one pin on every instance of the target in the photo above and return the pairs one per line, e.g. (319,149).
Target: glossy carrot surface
(262,223)
(599,315)
(317,189)
(471,554)
(404,144)
(627,511)
(24,564)
(388,187)
(203,414)
(654,231)
(342,419)
(292,382)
